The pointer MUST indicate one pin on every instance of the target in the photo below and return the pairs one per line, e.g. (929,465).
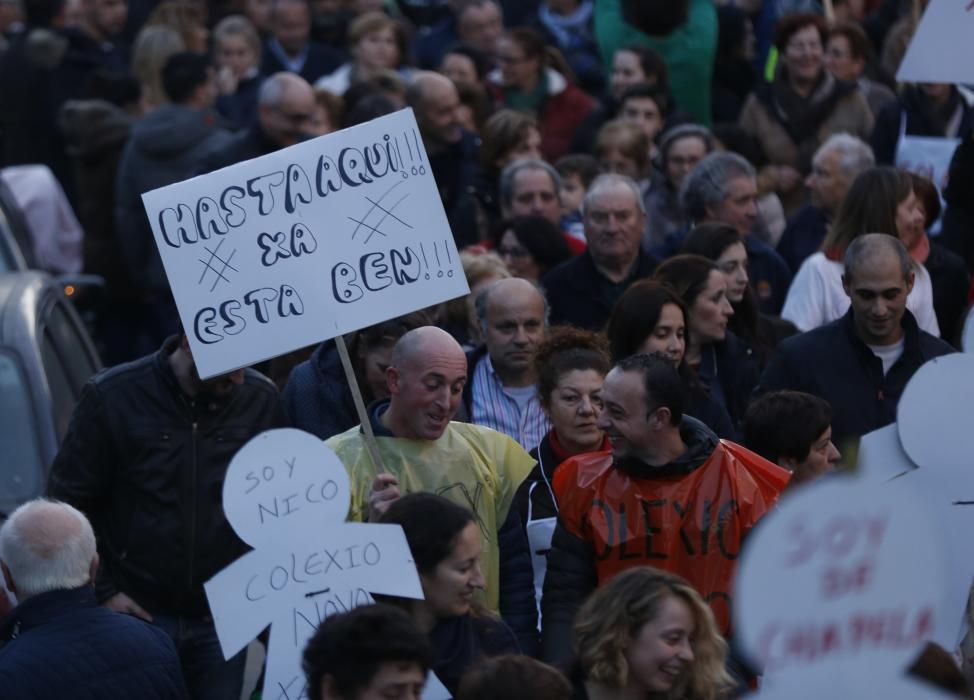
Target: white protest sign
(287,495)
(844,576)
(855,685)
(934,422)
(941,50)
(304,244)
(881,456)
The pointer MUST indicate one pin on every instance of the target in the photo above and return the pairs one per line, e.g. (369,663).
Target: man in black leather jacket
(144,458)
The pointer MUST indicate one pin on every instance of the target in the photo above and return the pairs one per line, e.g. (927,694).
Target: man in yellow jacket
(422,449)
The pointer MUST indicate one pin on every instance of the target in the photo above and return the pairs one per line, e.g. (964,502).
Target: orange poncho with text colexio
(690,524)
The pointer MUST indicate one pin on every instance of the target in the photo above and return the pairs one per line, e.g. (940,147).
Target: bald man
(422,449)
(453,152)
(285,108)
(503,393)
(862,362)
(48,559)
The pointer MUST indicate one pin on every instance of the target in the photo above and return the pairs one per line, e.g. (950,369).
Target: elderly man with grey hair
(502,392)
(583,290)
(861,362)
(836,164)
(285,108)
(58,642)
(723,188)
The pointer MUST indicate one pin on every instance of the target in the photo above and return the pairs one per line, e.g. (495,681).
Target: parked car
(46,356)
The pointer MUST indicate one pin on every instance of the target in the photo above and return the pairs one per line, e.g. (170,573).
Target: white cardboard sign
(941,50)
(843,576)
(304,244)
(287,495)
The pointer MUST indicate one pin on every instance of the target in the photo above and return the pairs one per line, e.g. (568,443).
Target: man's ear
(910,281)
(393,379)
(847,286)
(789,463)
(660,418)
(8,580)
(93,569)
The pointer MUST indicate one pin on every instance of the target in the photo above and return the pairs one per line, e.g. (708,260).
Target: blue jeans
(207,675)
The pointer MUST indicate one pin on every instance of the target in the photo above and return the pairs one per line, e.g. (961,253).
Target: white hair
(607,181)
(47,546)
(855,155)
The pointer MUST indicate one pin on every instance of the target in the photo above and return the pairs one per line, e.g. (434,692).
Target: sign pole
(363,416)
(829,11)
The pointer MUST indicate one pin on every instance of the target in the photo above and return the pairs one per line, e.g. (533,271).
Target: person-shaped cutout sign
(287,496)
(846,578)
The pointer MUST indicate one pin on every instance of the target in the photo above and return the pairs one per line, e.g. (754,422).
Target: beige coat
(851,115)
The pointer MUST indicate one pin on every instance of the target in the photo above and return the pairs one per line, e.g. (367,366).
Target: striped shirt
(500,408)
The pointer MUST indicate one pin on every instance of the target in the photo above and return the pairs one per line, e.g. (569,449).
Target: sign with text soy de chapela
(304,244)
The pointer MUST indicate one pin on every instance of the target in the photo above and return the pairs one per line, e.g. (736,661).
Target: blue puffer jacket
(62,644)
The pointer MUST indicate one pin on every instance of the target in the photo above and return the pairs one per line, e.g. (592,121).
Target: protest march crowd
(704,260)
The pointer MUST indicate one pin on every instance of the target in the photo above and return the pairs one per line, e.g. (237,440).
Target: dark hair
(511,678)
(351,648)
(531,43)
(868,207)
(474,96)
(653,92)
(636,314)
(710,241)
(581,164)
(565,349)
(656,17)
(653,65)
(121,89)
(663,384)
(42,13)
(183,73)
(432,525)
(479,59)
(504,131)
(734,139)
(936,666)
(687,274)
(367,108)
(929,197)
(793,22)
(785,424)
(859,45)
(542,239)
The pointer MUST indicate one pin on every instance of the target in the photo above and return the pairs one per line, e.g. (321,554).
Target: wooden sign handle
(371,445)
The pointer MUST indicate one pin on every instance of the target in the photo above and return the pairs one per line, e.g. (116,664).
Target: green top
(688,52)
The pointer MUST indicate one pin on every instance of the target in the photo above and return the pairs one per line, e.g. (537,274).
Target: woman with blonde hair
(153,47)
(186,17)
(647,633)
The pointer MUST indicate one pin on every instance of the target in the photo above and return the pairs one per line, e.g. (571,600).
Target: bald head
(285,108)
(513,317)
(46,546)
(436,102)
(877,250)
(426,377)
(423,342)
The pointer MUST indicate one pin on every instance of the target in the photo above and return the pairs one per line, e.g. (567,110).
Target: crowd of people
(699,269)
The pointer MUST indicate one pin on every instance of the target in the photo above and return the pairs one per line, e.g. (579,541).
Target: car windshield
(23,472)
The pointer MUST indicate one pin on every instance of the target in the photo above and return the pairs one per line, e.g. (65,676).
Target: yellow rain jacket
(475,467)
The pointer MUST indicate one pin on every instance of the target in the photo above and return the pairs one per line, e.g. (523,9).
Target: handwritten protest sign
(298,246)
(287,495)
(941,50)
(844,576)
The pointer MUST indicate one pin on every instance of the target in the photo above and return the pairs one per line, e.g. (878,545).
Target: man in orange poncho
(671,495)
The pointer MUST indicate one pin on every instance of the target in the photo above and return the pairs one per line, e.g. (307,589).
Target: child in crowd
(577,172)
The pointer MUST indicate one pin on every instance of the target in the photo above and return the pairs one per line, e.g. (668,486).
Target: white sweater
(816,296)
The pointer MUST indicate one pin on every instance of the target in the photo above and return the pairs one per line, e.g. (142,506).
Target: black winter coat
(886,131)
(574,291)
(832,363)
(316,398)
(62,644)
(146,464)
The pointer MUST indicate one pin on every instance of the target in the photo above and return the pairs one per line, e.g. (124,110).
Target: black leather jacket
(146,464)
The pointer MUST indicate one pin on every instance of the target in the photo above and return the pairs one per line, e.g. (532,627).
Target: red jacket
(560,115)
(690,523)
